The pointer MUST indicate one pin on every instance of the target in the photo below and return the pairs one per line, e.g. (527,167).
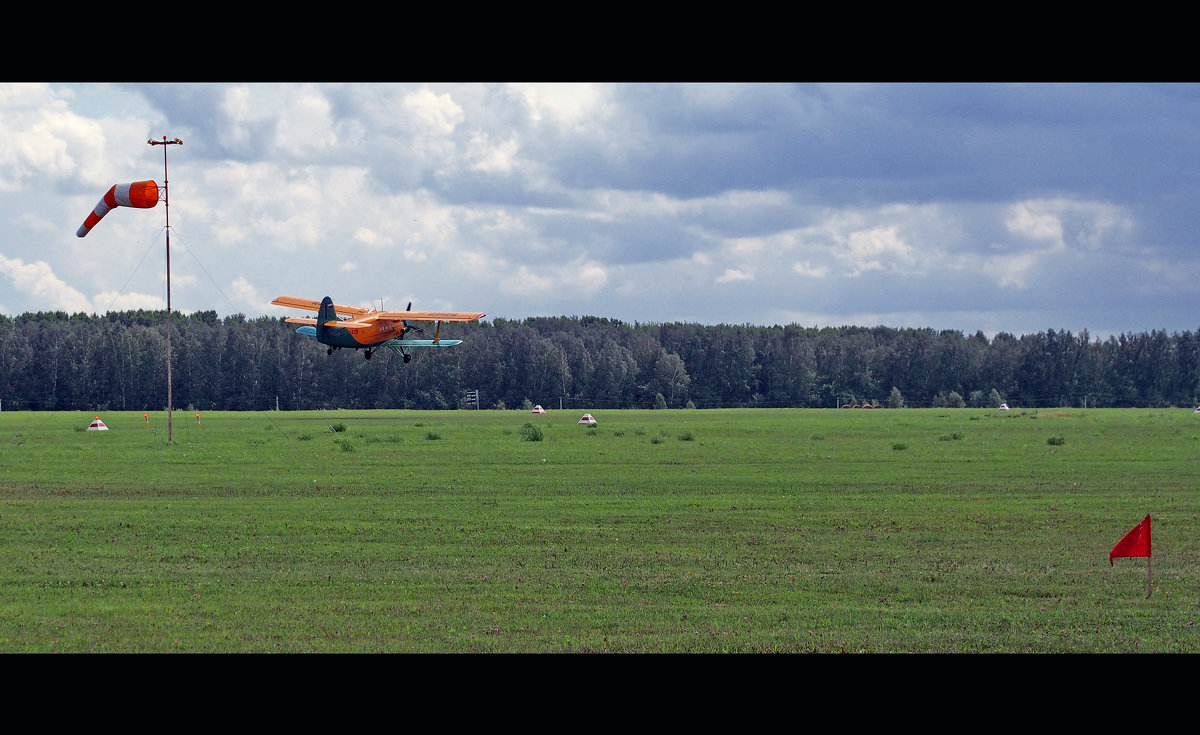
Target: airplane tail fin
(325,314)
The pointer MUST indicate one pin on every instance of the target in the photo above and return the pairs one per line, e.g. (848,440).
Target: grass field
(778,530)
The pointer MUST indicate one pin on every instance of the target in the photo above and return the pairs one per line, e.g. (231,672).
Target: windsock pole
(167,208)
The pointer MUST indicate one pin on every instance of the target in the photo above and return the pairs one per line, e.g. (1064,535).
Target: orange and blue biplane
(354,327)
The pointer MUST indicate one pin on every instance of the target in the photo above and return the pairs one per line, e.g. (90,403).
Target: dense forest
(56,361)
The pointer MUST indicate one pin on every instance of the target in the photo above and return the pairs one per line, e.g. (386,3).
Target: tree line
(60,361)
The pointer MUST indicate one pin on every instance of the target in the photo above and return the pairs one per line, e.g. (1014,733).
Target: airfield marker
(1136,543)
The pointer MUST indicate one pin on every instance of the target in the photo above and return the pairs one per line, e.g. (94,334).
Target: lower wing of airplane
(310,330)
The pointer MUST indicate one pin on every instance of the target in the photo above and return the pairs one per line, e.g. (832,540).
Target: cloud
(107,301)
(733,274)
(1022,201)
(878,248)
(565,105)
(809,270)
(246,294)
(436,115)
(42,143)
(37,280)
(1056,233)
(584,279)
(48,292)
(1030,220)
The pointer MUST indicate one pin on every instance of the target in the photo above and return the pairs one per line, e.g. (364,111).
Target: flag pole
(167,210)
(1149,577)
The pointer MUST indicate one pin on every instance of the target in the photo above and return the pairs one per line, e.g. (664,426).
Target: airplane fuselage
(357,337)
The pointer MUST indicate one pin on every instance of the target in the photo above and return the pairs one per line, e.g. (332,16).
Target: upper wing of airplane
(363,317)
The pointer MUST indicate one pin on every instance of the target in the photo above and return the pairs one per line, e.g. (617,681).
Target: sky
(1014,208)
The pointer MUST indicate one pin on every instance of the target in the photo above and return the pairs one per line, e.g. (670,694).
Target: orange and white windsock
(139,194)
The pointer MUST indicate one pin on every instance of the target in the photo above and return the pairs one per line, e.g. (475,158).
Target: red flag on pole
(1135,543)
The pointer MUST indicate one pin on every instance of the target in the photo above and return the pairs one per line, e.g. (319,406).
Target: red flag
(1135,543)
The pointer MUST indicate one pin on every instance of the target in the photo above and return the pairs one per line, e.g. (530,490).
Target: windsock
(139,194)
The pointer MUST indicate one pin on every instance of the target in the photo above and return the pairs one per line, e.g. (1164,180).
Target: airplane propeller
(413,327)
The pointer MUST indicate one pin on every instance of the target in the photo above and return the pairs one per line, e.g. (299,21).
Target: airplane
(370,329)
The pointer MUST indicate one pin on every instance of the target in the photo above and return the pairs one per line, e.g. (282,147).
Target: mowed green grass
(778,530)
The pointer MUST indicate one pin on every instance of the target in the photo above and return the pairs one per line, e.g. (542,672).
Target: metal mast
(167,208)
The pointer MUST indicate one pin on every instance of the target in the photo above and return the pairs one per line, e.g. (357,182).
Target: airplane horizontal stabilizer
(310,305)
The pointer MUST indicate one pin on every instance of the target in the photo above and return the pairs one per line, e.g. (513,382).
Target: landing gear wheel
(407,358)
